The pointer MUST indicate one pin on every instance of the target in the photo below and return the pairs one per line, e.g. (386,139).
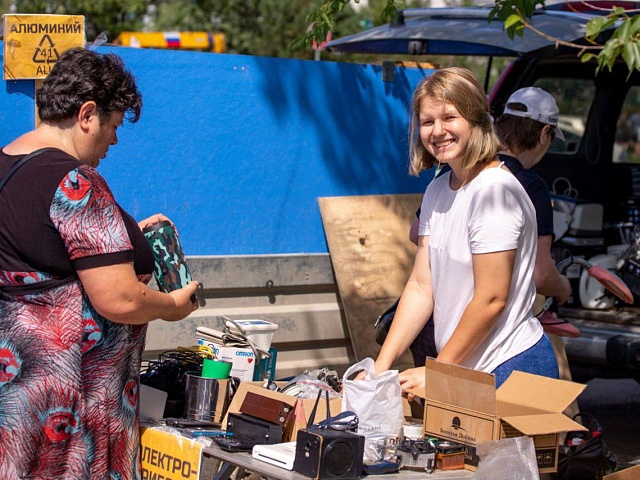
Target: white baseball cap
(540,105)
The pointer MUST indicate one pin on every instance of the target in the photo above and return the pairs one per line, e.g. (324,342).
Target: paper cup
(218,369)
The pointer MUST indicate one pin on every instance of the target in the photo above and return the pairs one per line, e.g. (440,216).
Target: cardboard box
(303,407)
(268,365)
(242,359)
(463,405)
(632,473)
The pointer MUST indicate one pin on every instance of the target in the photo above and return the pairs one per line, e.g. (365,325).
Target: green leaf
(635,46)
(512,21)
(634,24)
(528,7)
(595,26)
(617,11)
(623,32)
(628,55)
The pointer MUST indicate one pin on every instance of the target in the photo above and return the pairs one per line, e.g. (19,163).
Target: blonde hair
(459,87)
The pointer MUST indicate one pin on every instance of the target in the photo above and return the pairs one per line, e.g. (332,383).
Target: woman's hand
(361,375)
(412,378)
(116,294)
(158,217)
(184,305)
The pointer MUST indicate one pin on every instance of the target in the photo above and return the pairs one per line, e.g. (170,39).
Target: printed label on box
(268,366)
(457,426)
(546,458)
(242,359)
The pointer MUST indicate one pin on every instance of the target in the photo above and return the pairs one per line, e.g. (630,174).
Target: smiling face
(450,122)
(444,132)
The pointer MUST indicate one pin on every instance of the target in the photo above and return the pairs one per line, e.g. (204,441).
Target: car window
(626,148)
(574,97)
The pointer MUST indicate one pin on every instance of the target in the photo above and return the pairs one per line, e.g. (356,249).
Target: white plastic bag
(377,400)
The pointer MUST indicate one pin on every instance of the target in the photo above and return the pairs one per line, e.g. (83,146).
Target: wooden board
(372,258)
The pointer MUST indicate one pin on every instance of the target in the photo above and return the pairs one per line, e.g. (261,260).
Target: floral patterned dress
(69,378)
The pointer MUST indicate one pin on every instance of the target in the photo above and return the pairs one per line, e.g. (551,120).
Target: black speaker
(329,454)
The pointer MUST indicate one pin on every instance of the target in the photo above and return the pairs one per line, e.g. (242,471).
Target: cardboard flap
(543,424)
(464,387)
(507,409)
(539,392)
(632,473)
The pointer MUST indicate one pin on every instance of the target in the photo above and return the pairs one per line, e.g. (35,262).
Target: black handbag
(383,323)
(585,455)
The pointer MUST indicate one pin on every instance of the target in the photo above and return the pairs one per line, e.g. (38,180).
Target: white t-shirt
(492,213)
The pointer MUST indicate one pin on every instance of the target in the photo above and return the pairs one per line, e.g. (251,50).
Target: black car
(594,176)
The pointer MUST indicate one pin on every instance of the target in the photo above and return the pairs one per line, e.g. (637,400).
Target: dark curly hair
(81,76)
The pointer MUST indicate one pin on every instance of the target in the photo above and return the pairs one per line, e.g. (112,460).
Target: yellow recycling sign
(33,43)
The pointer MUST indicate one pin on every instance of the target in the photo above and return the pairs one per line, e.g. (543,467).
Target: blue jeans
(539,360)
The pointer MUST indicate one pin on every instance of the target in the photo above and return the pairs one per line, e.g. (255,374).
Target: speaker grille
(338,458)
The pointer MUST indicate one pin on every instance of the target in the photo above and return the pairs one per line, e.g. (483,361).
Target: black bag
(584,455)
(383,323)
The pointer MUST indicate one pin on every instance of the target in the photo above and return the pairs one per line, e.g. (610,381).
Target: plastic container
(213,368)
(171,271)
(260,332)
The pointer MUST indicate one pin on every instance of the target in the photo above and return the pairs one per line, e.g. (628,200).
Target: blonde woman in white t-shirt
(476,247)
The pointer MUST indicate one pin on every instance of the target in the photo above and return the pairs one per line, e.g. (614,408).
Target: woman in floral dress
(74,303)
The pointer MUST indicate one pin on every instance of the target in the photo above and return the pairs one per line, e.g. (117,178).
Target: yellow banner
(33,43)
(169,456)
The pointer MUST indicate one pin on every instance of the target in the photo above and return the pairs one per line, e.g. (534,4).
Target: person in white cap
(526,129)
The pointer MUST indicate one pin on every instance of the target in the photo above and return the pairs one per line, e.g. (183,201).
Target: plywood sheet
(372,257)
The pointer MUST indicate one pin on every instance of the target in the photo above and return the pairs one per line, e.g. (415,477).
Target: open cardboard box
(632,473)
(303,407)
(463,405)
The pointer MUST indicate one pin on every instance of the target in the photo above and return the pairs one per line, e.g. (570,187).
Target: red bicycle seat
(557,326)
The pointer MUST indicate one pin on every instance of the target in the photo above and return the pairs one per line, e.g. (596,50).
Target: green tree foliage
(321,21)
(110,16)
(254,27)
(269,27)
(624,42)
(180,15)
